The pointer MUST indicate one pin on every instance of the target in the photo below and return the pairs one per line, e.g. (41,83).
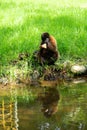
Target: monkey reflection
(49,100)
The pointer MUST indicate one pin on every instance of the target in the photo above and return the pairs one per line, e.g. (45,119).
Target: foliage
(23,21)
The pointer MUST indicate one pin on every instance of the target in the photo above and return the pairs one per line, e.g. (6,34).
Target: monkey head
(45,36)
(45,39)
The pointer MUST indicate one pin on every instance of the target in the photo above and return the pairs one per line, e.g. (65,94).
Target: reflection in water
(49,100)
(8,115)
(66,105)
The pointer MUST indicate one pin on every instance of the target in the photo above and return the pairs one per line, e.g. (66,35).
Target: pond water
(60,107)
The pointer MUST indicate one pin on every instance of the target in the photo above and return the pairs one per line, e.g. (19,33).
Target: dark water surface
(62,107)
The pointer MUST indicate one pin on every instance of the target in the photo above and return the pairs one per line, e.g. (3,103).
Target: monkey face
(44,36)
(45,39)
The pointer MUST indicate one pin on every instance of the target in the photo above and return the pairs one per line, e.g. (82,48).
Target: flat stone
(79,81)
(78,69)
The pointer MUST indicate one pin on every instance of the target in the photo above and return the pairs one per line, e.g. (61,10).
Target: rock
(35,75)
(4,81)
(1,80)
(77,81)
(67,64)
(78,69)
(50,77)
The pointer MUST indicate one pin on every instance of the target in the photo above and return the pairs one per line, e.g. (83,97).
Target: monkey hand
(44,46)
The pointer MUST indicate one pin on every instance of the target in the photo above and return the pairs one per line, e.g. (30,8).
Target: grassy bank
(23,21)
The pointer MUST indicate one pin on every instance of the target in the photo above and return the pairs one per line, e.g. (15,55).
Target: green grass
(23,21)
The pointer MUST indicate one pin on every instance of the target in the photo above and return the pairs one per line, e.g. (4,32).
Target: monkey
(49,100)
(48,53)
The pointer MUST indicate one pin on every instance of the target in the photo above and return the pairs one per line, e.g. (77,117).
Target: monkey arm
(51,46)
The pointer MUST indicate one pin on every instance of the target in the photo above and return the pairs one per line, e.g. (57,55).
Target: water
(61,107)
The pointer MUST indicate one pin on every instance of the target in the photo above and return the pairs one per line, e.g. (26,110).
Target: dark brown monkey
(48,53)
(49,100)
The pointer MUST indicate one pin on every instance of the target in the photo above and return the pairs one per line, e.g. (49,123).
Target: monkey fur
(47,53)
